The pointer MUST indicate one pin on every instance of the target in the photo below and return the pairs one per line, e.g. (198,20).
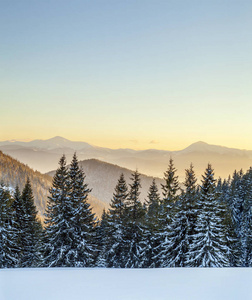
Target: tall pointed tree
(8,250)
(19,222)
(208,248)
(167,213)
(134,213)
(58,231)
(115,244)
(69,221)
(151,237)
(31,229)
(170,187)
(83,221)
(183,226)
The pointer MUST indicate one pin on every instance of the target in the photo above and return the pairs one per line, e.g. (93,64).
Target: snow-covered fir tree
(31,228)
(134,214)
(115,243)
(239,203)
(208,248)
(246,219)
(151,237)
(102,238)
(8,249)
(19,221)
(69,232)
(183,225)
(83,220)
(167,212)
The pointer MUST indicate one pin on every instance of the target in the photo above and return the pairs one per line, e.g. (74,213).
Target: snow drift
(125,284)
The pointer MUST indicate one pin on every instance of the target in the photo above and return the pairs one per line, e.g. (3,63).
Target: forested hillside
(13,172)
(102,178)
(207,224)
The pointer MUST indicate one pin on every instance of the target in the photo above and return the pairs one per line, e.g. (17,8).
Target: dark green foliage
(201,226)
(209,247)
(14,173)
(69,233)
(166,216)
(31,228)
(151,237)
(8,250)
(171,186)
(183,226)
(133,230)
(116,226)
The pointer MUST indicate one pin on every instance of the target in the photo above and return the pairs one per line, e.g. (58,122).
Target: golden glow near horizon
(133,74)
(140,144)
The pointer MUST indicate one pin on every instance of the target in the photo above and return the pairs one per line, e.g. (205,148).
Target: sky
(127,74)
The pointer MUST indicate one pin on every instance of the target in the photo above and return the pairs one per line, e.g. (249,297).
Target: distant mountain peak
(58,139)
(200,143)
(198,146)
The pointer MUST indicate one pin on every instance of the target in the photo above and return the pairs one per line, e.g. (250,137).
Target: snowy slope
(125,284)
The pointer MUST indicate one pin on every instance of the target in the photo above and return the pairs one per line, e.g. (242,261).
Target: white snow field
(125,284)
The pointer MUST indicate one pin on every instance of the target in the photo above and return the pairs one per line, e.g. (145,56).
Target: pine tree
(171,187)
(239,202)
(69,233)
(31,230)
(167,213)
(102,237)
(209,245)
(183,226)
(83,221)
(246,219)
(151,237)
(8,250)
(19,222)
(115,243)
(134,213)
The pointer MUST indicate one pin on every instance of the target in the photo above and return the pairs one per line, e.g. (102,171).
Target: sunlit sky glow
(135,74)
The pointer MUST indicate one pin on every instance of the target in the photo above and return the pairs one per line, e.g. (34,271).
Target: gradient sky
(136,74)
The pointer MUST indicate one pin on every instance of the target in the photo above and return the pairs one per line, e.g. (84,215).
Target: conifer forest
(201,224)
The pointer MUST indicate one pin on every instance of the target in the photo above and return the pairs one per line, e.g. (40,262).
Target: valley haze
(43,155)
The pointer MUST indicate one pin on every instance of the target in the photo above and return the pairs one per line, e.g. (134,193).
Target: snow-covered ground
(125,284)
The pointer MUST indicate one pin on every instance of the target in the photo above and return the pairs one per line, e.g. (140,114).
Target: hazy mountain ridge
(102,177)
(13,172)
(44,155)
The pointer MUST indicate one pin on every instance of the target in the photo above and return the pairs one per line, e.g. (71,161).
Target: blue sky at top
(170,71)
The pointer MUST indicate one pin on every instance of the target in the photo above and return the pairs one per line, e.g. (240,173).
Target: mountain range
(43,155)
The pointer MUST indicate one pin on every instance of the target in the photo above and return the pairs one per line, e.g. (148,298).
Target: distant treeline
(203,225)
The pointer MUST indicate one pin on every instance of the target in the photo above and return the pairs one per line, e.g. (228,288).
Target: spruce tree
(151,237)
(58,230)
(8,250)
(208,248)
(115,233)
(246,219)
(83,221)
(239,202)
(69,231)
(102,237)
(19,222)
(170,187)
(167,213)
(134,213)
(31,231)
(183,226)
